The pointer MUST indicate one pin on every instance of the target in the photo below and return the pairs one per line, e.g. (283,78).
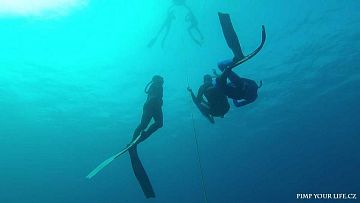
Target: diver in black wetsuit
(152,110)
(193,29)
(216,105)
(243,91)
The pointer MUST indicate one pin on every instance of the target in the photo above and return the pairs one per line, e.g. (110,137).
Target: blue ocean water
(71,94)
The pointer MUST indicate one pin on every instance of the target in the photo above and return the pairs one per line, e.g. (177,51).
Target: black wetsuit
(216,105)
(152,110)
(242,90)
(216,100)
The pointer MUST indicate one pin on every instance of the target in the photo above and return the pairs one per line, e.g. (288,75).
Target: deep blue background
(71,93)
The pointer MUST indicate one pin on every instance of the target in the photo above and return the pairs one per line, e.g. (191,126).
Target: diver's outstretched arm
(166,33)
(215,73)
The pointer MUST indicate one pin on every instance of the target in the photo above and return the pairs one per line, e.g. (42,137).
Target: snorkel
(157,79)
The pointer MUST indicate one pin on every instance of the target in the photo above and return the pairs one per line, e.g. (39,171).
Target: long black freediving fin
(230,35)
(140,173)
(247,57)
(233,41)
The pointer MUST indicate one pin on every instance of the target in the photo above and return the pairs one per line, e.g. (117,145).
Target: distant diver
(216,103)
(152,110)
(193,29)
(243,91)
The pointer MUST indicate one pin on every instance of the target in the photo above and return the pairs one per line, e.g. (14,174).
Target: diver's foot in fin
(237,59)
(144,135)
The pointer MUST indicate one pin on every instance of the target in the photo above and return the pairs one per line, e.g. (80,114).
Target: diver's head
(157,79)
(207,78)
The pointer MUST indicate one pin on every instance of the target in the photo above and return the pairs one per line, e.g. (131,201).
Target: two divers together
(228,84)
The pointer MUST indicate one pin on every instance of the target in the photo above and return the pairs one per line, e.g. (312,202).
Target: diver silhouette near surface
(193,28)
(243,91)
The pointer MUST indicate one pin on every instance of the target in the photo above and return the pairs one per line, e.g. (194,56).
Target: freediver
(190,18)
(216,103)
(193,27)
(152,109)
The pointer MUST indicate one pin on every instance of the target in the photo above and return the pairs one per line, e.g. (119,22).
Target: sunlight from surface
(40,8)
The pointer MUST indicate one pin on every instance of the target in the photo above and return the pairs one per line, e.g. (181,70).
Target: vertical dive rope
(202,178)
(198,153)
(199,160)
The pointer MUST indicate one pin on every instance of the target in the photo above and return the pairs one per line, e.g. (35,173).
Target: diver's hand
(189,89)
(216,74)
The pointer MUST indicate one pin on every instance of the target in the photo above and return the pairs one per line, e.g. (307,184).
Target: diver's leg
(158,118)
(234,78)
(231,75)
(145,120)
(153,40)
(191,34)
(193,37)
(165,36)
(167,27)
(222,65)
(140,173)
(205,111)
(199,32)
(230,35)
